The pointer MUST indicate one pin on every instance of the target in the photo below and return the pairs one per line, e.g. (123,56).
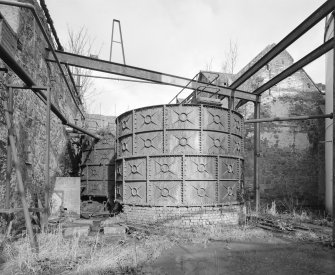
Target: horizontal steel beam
(287,118)
(321,50)
(117,79)
(140,73)
(306,25)
(214,90)
(28,80)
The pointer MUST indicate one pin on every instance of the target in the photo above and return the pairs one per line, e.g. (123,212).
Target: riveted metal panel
(135,192)
(135,169)
(182,117)
(125,124)
(125,146)
(107,142)
(236,146)
(216,119)
(229,168)
(88,157)
(96,188)
(184,142)
(215,143)
(200,192)
(166,192)
(98,156)
(119,190)
(119,170)
(200,167)
(228,191)
(149,143)
(98,168)
(236,124)
(166,168)
(93,172)
(149,119)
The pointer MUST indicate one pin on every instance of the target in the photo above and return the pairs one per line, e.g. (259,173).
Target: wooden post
(9,153)
(256,155)
(20,185)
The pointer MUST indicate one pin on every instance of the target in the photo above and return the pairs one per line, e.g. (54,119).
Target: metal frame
(114,41)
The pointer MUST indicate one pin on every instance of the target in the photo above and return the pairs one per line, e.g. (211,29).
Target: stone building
(292,152)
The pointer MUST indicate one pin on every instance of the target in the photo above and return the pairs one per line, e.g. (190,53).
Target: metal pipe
(32,8)
(9,152)
(259,120)
(27,79)
(20,185)
(97,137)
(307,24)
(257,144)
(47,153)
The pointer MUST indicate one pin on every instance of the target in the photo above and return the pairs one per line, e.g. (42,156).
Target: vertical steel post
(9,153)
(333,14)
(20,185)
(256,155)
(47,164)
(112,39)
(231,102)
(124,58)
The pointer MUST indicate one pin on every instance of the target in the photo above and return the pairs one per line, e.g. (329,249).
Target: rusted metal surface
(179,155)
(98,168)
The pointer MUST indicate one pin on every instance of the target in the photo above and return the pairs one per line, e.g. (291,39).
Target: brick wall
(291,158)
(185,216)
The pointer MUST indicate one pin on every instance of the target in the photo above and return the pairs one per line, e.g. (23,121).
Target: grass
(101,254)
(98,254)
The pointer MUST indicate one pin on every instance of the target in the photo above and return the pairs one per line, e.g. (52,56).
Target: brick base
(184,216)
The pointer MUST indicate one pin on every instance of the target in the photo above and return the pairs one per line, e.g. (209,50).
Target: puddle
(245,258)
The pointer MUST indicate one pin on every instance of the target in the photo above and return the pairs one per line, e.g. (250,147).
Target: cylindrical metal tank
(98,168)
(179,155)
(329,33)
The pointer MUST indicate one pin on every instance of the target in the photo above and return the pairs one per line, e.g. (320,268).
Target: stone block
(115,230)
(77,231)
(84,222)
(113,221)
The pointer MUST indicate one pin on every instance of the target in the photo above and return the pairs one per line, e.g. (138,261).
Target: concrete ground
(280,256)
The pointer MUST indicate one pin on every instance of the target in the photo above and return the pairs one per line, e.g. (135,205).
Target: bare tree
(231,56)
(209,65)
(80,43)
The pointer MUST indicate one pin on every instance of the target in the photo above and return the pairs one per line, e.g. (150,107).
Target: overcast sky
(182,37)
